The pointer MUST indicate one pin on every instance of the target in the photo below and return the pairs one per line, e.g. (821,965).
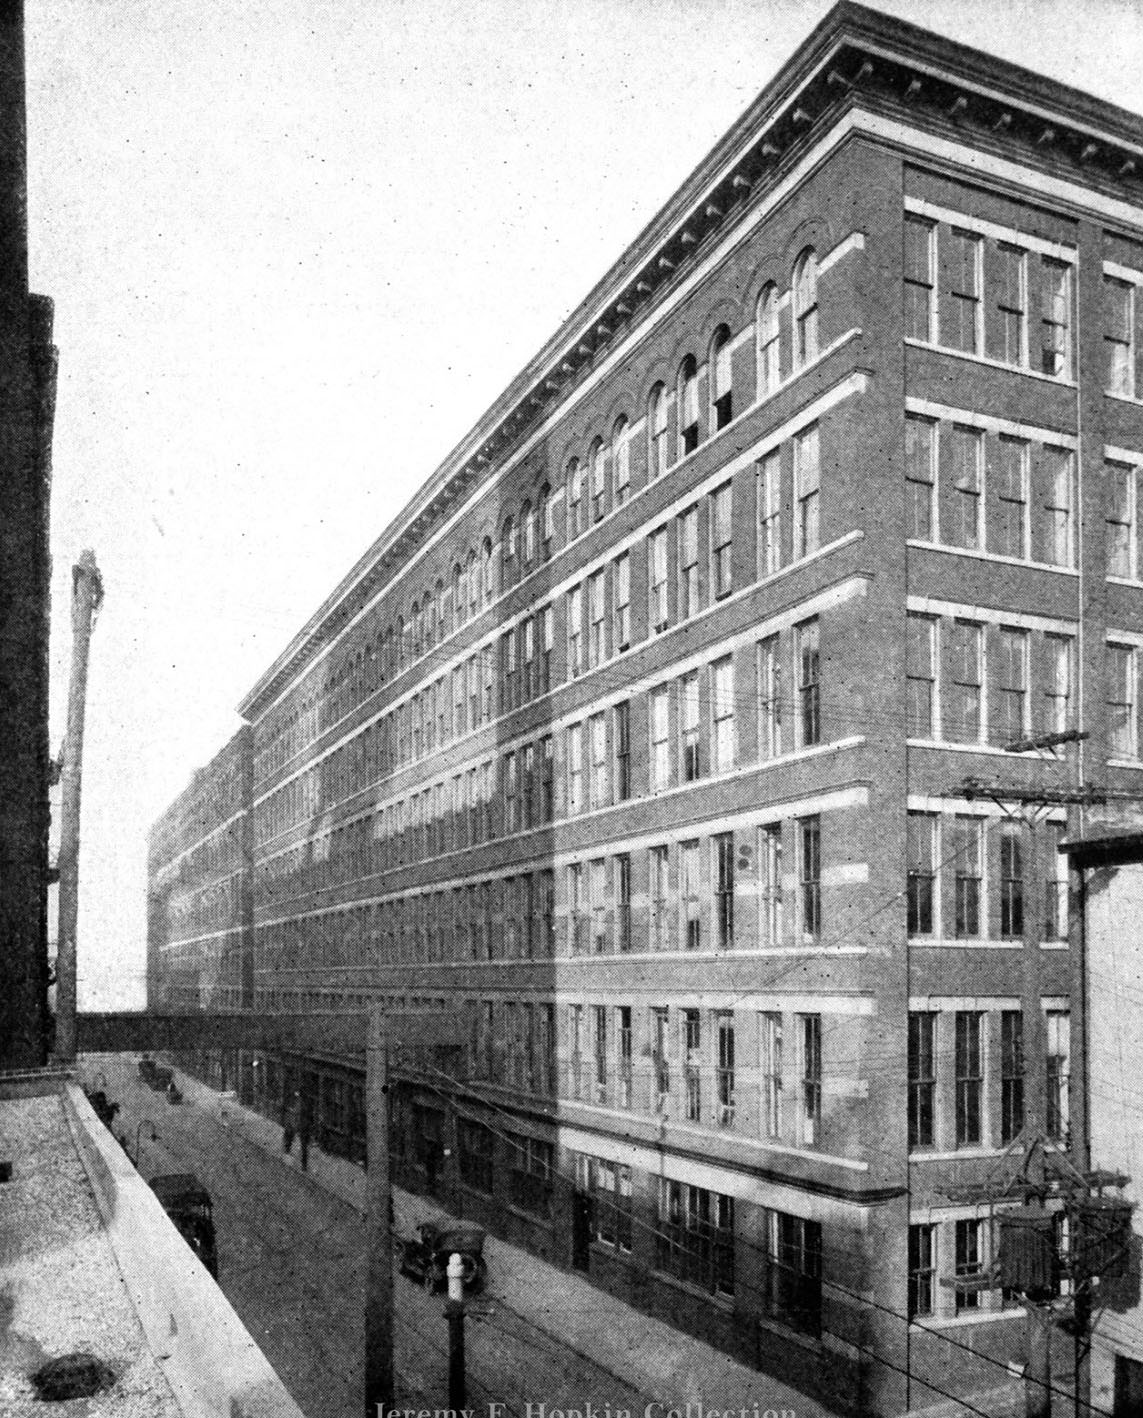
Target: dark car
(426,1258)
(187,1202)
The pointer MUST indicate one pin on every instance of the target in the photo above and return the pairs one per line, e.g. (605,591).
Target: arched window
(527,534)
(507,553)
(576,513)
(473,580)
(598,463)
(443,626)
(805,308)
(486,587)
(417,629)
(657,433)
(721,379)
(430,621)
(402,646)
(547,519)
(620,461)
(688,406)
(766,334)
(459,593)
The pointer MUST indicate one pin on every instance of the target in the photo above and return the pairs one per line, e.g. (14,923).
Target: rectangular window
(769,514)
(695,1236)
(722,715)
(657,579)
(1008,522)
(1119,336)
(547,779)
(621,741)
(969,1262)
(1055,883)
(612,1204)
(575,768)
(1058,687)
(621,606)
(1058,1029)
(476,1153)
(597,618)
(1057,474)
(659,888)
(769,698)
(577,921)
(1010,710)
(1055,317)
(807,490)
(721,533)
(966,697)
(771,1074)
(810,1079)
(1011,1074)
(599,1042)
(921,880)
(921,676)
(689,768)
(723,850)
(1011,284)
(1011,882)
(660,740)
(597,905)
(920,258)
(1121,519)
(922,1270)
(660,1057)
(689,902)
(809,878)
(724,1073)
(510,669)
(528,784)
(967,453)
(511,794)
(530,1180)
(963,329)
(921,478)
(688,564)
(575,1050)
(692,1064)
(969,1077)
(546,637)
(575,631)
(922,1078)
(622,865)
(968,852)
(623,1059)
(1123,738)
(808,653)
(795,1272)
(600,787)
(770,885)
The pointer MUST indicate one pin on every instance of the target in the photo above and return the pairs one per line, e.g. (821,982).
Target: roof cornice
(854,54)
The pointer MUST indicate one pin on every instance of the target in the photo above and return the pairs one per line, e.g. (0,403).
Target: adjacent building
(27,409)
(671,734)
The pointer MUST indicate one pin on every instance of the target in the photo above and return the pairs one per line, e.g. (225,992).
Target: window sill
(965,943)
(992,750)
(989,363)
(697,1292)
(993,556)
(1125,763)
(1123,398)
(938,1322)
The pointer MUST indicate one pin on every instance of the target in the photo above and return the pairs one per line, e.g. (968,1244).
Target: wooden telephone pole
(86,598)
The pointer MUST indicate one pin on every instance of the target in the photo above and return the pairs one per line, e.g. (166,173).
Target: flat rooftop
(60,1285)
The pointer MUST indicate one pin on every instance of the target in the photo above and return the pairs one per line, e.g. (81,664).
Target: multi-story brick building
(640,735)
(200,898)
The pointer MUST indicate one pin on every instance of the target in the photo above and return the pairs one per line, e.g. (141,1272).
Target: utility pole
(379,1240)
(86,598)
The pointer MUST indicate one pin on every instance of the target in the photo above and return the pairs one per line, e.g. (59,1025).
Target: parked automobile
(187,1202)
(425,1259)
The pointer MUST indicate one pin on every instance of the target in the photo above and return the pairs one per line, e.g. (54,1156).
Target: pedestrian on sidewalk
(305,1127)
(291,1121)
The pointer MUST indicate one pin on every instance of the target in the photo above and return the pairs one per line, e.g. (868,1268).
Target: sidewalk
(666,1366)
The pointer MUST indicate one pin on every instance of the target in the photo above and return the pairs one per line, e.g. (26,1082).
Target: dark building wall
(27,399)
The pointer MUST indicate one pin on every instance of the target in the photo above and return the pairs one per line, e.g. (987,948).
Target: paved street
(291,1262)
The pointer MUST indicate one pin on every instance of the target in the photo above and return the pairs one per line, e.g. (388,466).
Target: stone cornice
(855,56)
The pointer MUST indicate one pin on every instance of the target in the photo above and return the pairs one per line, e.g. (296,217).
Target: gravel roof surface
(60,1287)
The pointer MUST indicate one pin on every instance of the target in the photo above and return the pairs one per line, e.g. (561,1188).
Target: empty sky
(296,248)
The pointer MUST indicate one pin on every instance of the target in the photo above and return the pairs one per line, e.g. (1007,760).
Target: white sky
(297,247)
